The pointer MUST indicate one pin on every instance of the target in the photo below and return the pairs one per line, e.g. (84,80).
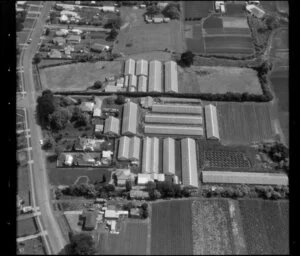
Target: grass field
(31,246)
(265,225)
(78,76)
(28,23)
(171,224)
(234,10)
(197,9)
(243,123)
(67,176)
(22,36)
(23,185)
(132,239)
(212,232)
(27,227)
(282,6)
(195,40)
(45,62)
(205,79)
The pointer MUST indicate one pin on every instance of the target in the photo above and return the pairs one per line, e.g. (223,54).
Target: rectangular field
(205,79)
(244,123)
(27,227)
(22,36)
(32,246)
(78,76)
(197,9)
(132,240)
(171,228)
(28,23)
(265,225)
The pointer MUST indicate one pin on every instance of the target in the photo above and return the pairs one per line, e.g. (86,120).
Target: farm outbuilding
(244,178)
(126,81)
(173,119)
(129,118)
(129,67)
(87,106)
(112,126)
(169,156)
(211,121)
(150,155)
(254,10)
(90,222)
(189,162)
(171,77)
(123,151)
(134,149)
(174,130)
(142,67)
(132,81)
(142,84)
(177,108)
(155,76)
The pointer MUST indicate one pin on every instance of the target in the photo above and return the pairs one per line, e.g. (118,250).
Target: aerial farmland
(163,126)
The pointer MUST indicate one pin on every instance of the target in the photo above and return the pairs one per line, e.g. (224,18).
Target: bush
(172,11)
(98,85)
(154,194)
(187,59)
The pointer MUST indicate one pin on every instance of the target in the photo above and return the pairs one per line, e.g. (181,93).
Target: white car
(41,142)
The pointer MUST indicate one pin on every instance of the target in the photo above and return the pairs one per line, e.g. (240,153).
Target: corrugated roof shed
(169,156)
(211,121)
(87,106)
(155,155)
(177,108)
(132,81)
(155,76)
(171,77)
(129,118)
(173,119)
(189,162)
(97,112)
(244,178)
(142,67)
(134,149)
(112,125)
(91,220)
(146,166)
(129,67)
(123,151)
(142,84)
(173,129)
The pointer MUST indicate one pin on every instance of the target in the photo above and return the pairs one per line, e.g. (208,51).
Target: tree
(47,145)
(112,35)
(144,206)
(114,23)
(109,188)
(58,194)
(152,10)
(150,186)
(271,22)
(98,85)
(59,118)
(46,105)
(172,11)
(47,32)
(154,194)
(37,58)
(82,244)
(128,185)
(187,58)
(127,207)
(120,100)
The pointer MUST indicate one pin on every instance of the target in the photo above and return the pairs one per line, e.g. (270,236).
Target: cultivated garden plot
(245,123)
(204,79)
(171,224)
(78,76)
(31,246)
(197,9)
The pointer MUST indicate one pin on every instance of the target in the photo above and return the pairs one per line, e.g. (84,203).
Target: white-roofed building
(112,126)
(150,155)
(173,129)
(142,84)
(129,125)
(68,160)
(97,112)
(211,121)
(111,88)
(173,119)
(169,156)
(87,106)
(132,81)
(123,151)
(155,155)
(134,149)
(155,76)
(171,76)
(189,162)
(142,67)
(129,67)
(177,108)
(144,178)
(126,81)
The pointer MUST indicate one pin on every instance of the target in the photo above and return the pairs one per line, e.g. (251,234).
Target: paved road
(40,178)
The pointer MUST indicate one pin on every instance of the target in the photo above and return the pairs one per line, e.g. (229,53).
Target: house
(111,88)
(166,20)
(74,39)
(99,47)
(108,9)
(135,213)
(63,18)
(76,31)
(256,11)
(97,112)
(59,40)
(144,178)
(98,129)
(111,215)
(147,102)
(112,126)
(55,54)
(82,144)
(123,175)
(90,222)
(87,106)
(139,194)
(158,20)
(107,154)
(162,5)
(68,160)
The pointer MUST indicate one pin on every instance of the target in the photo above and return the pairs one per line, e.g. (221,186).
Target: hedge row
(228,57)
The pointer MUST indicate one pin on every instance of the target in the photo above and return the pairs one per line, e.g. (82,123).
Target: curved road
(41,184)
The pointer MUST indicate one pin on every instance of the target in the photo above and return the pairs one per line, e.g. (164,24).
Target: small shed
(90,222)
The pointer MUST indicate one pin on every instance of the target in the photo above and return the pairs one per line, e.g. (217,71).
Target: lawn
(244,123)
(197,9)
(211,225)
(265,225)
(281,40)
(206,79)
(132,239)
(213,22)
(171,228)
(28,23)
(31,246)
(23,185)
(35,8)
(195,41)
(45,62)
(235,10)
(139,37)
(22,37)
(78,76)
(283,6)
(27,227)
